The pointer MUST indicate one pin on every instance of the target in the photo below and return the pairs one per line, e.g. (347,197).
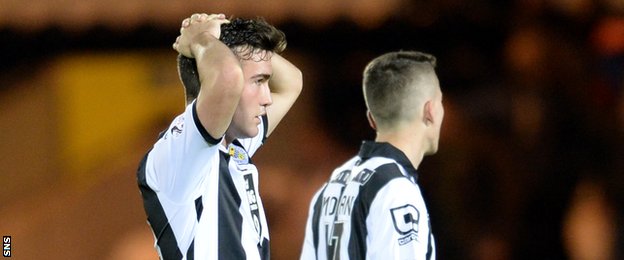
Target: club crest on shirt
(405,219)
(238,154)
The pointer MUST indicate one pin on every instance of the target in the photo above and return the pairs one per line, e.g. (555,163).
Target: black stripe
(202,129)
(316,215)
(156,216)
(264,249)
(430,247)
(190,254)
(230,219)
(265,124)
(199,207)
(357,241)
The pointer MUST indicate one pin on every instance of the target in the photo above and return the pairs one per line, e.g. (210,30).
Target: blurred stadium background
(530,165)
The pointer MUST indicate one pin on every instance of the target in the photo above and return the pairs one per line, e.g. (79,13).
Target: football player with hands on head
(198,182)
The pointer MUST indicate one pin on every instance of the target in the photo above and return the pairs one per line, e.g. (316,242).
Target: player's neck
(227,140)
(410,144)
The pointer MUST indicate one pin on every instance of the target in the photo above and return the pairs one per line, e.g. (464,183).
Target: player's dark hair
(244,37)
(187,70)
(390,78)
(252,35)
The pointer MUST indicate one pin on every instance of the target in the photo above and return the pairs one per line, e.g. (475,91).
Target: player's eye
(260,81)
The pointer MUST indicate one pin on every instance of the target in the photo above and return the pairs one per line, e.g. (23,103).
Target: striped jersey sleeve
(171,177)
(402,229)
(178,155)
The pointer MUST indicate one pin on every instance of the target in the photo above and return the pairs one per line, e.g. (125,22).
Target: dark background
(529,167)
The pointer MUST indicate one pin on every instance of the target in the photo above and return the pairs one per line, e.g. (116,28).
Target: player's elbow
(297,80)
(292,84)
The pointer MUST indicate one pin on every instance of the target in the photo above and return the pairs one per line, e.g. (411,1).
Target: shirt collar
(370,149)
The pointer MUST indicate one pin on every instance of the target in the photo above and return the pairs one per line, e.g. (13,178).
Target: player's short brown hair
(393,82)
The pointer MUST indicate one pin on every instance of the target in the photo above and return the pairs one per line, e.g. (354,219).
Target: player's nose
(265,96)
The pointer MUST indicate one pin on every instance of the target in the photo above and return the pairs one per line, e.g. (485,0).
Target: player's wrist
(201,42)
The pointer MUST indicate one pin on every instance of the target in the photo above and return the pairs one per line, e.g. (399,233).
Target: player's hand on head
(196,25)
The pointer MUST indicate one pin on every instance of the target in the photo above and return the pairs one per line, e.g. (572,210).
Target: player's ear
(371,120)
(428,112)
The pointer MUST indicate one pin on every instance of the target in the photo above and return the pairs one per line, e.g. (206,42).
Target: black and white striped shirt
(371,208)
(200,197)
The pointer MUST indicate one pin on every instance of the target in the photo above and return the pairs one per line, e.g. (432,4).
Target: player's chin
(250,131)
(432,150)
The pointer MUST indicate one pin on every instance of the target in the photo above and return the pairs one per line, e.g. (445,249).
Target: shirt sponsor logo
(252,199)
(405,219)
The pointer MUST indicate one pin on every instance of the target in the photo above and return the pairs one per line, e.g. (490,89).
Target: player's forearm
(285,84)
(214,56)
(287,79)
(221,79)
